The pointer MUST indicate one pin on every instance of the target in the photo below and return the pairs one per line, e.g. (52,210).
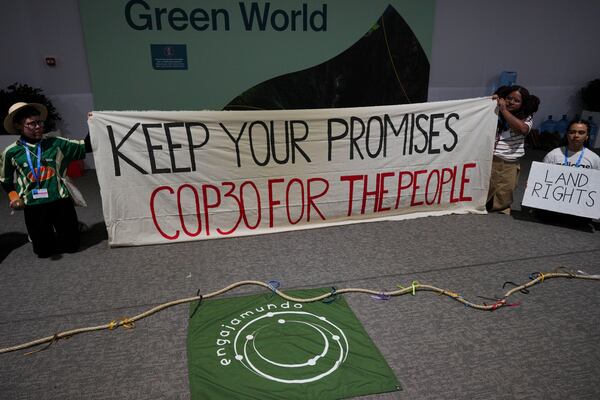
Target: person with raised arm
(32,172)
(516,107)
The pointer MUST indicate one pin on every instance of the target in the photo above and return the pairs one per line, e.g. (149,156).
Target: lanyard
(578,159)
(30,163)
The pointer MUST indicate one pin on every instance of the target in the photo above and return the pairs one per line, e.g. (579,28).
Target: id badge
(40,193)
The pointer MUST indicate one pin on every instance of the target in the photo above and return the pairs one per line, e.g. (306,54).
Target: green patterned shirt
(56,154)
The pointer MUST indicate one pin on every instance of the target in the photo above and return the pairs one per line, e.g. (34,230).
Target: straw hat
(15,108)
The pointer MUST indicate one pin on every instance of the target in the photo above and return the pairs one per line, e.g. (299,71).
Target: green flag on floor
(265,347)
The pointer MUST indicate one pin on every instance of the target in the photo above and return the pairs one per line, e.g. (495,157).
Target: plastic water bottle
(507,78)
(593,131)
(562,125)
(548,126)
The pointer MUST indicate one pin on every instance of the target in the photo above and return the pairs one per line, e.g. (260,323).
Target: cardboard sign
(563,189)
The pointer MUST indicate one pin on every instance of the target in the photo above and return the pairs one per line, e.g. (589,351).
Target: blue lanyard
(30,163)
(578,159)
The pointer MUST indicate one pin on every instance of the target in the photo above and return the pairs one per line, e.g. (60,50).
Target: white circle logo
(309,346)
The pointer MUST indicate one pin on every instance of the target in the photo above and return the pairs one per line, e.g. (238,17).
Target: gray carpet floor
(547,348)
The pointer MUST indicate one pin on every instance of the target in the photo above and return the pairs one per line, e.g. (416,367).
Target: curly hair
(529,104)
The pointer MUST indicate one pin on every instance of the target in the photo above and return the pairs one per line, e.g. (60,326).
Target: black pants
(53,227)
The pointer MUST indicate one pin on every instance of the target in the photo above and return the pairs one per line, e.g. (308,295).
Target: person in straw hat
(32,171)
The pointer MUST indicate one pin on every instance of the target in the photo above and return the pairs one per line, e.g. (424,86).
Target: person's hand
(501,103)
(17,204)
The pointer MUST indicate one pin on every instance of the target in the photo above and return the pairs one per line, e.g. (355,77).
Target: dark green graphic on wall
(386,66)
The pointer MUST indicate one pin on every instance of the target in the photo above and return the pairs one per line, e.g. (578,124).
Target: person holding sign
(39,165)
(516,107)
(575,152)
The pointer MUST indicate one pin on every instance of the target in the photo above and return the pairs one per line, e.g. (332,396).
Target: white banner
(191,175)
(563,189)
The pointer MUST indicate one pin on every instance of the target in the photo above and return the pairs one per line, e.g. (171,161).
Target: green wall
(221,63)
